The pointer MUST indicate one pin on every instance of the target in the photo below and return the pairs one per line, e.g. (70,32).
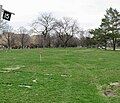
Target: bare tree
(81,38)
(8,37)
(36,41)
(66,29)
(23,36)
(3,26)
(44,24)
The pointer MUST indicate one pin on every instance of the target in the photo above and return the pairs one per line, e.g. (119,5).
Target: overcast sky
(87,12)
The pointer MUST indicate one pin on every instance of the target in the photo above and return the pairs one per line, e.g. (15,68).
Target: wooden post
(41,52)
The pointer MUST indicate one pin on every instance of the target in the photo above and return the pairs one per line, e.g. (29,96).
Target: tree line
(47,31)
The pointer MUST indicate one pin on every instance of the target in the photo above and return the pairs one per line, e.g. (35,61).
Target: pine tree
(111,23)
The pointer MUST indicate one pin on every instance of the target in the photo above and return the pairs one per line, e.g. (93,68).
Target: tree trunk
(22,44)
(9,45)
(114,44)
(44,41)
(105,45)
(65,45)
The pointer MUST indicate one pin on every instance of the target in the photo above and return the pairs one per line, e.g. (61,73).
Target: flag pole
(6,14)
(0,12)
(8,11)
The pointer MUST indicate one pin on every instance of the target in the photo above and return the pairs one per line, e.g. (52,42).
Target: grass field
(71,75)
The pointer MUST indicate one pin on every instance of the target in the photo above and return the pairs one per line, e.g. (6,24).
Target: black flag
(6,15)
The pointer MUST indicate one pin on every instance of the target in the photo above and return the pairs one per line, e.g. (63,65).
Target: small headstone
(115,84)
(109,94)
(25,86)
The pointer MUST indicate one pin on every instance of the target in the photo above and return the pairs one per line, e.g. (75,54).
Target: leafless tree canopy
(3,26)
(66,29)
(8,36)
(23,36)
(44,24)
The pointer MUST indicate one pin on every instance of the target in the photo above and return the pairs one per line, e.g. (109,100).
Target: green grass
(69,75)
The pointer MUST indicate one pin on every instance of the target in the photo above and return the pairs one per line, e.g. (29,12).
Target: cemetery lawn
(70,75)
